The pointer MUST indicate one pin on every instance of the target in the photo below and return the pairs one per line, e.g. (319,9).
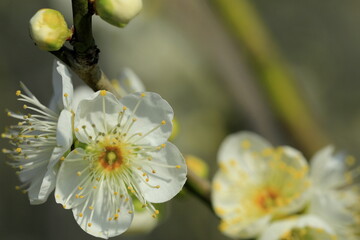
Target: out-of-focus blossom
(335,192)
(122,151)
(307,227)
(257,183)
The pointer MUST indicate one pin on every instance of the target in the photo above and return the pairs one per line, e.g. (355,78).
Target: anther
(142,95)
(18,150)
(62,158)
(81,215)
(89,224)
(25,106)
(18,93)
(163,122)
(178,166)
(66,95)
(103,93)
(91,207)
(78,173)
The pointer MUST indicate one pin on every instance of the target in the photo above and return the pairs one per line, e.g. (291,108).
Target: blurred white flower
(335,192)
(122,152)
(307,227)
(128,82)
(257,183)
(42,137)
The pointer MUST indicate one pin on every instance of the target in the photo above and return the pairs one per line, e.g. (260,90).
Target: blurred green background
(185,51)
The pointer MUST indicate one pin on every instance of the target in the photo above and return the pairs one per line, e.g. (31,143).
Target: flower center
(111,158)
(267,198)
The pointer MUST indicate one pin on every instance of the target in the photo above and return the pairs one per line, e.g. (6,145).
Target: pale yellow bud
(49,30)
(175,129)
(198,166)
(118,12)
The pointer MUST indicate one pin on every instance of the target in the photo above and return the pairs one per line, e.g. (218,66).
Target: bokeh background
(190,53)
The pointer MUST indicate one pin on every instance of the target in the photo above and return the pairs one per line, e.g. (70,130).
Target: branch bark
(83,58)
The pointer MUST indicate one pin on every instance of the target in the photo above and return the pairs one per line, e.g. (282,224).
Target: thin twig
(200,187)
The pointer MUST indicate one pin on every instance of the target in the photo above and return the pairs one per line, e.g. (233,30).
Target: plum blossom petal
(63,88)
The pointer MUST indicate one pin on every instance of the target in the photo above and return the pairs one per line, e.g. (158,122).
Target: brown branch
(84,57)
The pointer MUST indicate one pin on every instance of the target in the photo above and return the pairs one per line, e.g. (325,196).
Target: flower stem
(200,187)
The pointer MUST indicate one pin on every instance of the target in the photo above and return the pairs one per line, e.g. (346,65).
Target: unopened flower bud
(49,30)
(118,12)
(198,166)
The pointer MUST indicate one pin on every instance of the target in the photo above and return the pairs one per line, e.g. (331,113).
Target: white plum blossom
(257,183)
(122,152)
(41,137)
(306,227)
(335,192)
